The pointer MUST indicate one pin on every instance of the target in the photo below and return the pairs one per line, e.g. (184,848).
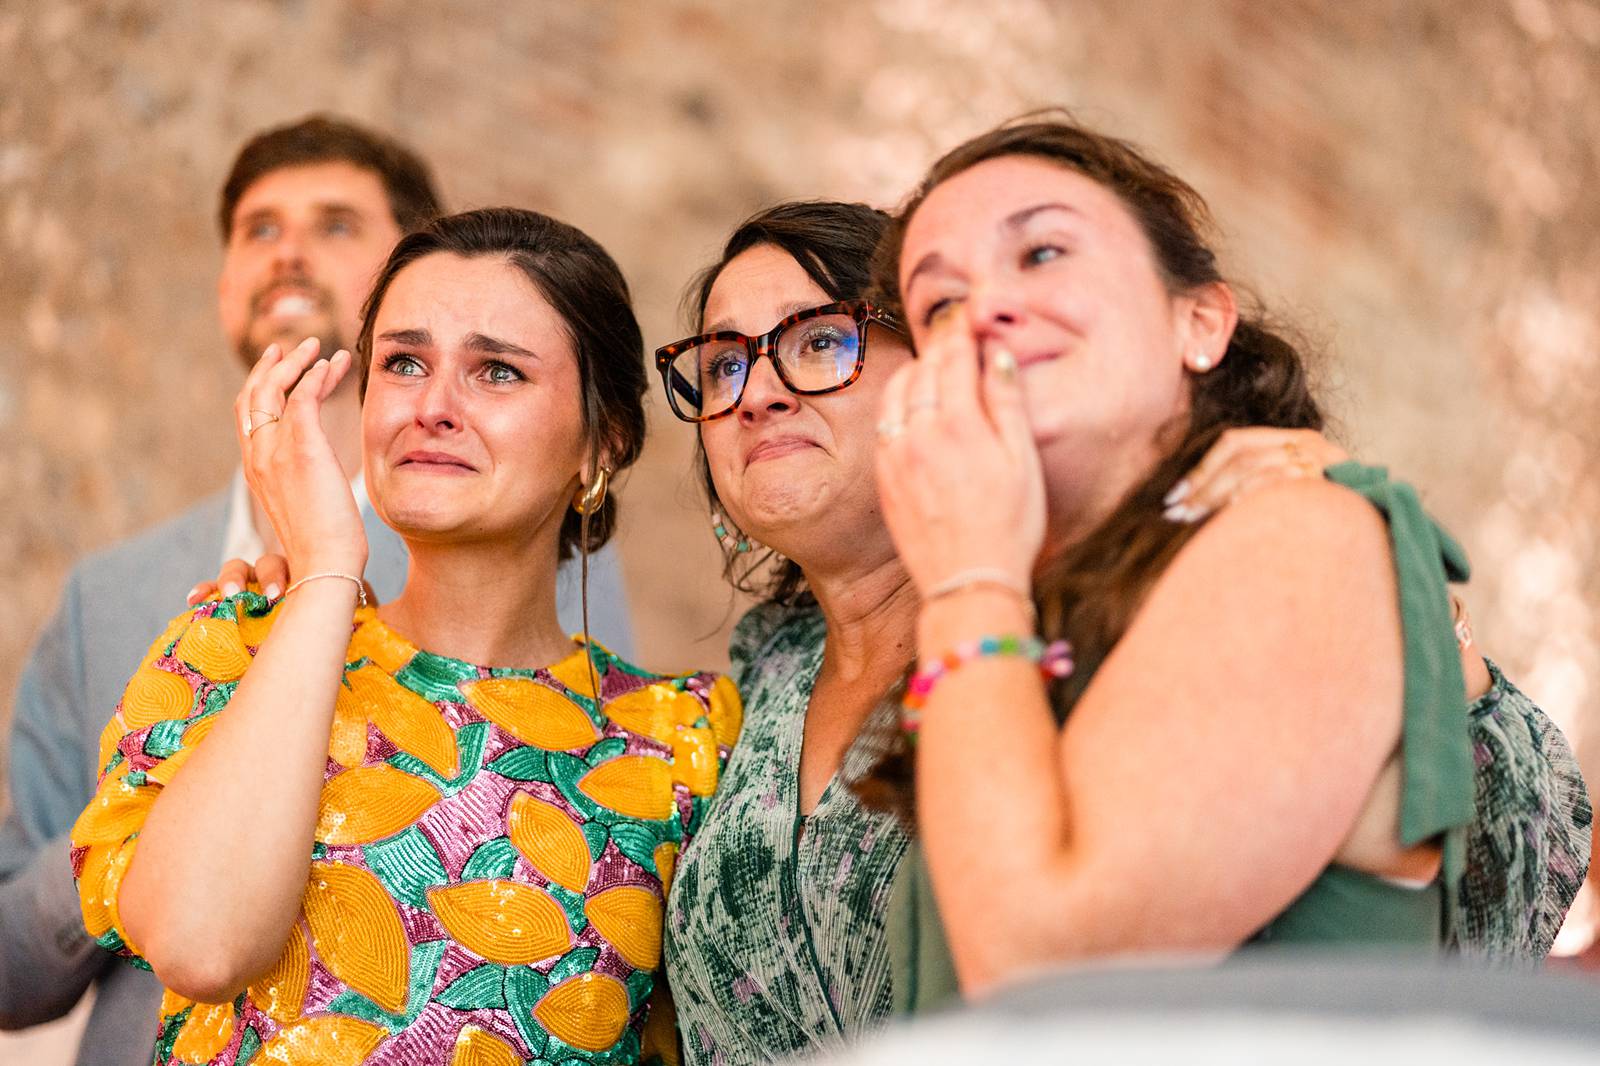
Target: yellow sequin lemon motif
(655,711)
(695,760)
(629,917)
(253,629)
(154,695)
(212,646)
(532,712)
(503,921)
(666,857)
(549,839)
(98,889)
(573,672)
(116,812)
(357,933)
(376,641)
(371,803)
(660,1037)
(282,991)
(638,786)
(587,1011)
(328,1040)
(727,711)
(164,642)
(205,1034)
(411,721)
(475,1047)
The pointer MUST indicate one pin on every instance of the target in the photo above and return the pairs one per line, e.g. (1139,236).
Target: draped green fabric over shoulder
(1341,905)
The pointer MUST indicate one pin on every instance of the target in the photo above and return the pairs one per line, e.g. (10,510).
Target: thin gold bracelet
(982,577)
(361,589)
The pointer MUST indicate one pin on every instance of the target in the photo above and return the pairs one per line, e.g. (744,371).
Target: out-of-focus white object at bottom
(1267,1007)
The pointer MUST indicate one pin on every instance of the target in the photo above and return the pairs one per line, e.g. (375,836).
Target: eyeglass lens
(815,354)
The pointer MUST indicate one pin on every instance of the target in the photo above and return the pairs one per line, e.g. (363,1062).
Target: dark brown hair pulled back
(833,242)
(1090,594)
(586,288)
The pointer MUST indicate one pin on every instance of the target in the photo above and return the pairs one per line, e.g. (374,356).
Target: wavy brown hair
(1090,593)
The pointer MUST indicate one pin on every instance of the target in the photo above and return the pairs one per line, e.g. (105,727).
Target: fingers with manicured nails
(305,403)
(272,573)
(956,370)
(1218,477)
(272,391)
(201,591)
(1248,470)
(1003,403)
(233,577)
(338,367)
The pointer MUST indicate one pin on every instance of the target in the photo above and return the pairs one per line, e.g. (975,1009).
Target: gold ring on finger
(251,424)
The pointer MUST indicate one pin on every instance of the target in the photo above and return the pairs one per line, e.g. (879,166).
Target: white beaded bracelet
(361,589)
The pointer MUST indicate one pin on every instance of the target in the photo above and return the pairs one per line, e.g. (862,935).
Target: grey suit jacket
(115,603)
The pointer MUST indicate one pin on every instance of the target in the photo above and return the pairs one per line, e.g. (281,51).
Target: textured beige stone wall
(1414,180)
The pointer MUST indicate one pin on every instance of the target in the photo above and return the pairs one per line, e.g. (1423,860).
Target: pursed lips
(435,460)
(773,447)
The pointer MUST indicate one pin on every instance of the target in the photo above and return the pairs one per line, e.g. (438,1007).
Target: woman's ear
(1210,313)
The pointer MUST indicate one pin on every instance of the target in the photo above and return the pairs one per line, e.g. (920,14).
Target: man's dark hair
(323,139)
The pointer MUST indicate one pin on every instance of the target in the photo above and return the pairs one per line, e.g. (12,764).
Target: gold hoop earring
(592,497)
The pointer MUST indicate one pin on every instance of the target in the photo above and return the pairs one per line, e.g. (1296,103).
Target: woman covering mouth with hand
(1143,736)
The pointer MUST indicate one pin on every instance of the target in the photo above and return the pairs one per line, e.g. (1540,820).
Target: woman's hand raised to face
(291,466)
(958,471)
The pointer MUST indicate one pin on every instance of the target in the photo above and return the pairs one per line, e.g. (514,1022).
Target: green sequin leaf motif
(522,764)
(481,987)
(493,859)
(436,678)
(407,865)
(525,987)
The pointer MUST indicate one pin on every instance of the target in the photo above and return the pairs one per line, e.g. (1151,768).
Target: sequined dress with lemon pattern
(492,850)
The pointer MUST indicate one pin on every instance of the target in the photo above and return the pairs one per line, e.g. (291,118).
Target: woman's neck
(871,613)
(491,603)
(1078,498)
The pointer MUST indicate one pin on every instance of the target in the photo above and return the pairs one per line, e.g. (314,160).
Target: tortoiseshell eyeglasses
(814,352)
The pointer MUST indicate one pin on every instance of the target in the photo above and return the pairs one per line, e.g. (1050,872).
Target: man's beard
(322,323)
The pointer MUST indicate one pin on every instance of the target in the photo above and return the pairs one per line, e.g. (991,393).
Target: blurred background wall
(1413,181)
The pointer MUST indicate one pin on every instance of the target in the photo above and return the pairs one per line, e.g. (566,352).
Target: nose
(764,392)
(289,250)
(994,310)
(439,404)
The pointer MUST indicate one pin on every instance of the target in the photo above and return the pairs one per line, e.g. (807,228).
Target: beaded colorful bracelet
(1054,661)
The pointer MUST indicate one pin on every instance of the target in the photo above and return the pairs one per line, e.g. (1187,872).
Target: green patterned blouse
(775,935)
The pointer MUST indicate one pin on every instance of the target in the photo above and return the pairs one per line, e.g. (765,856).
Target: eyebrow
(1012,222)
(1018,219)
(419,338)
(481,342)
(326,207)
(793,307)
(475,342)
